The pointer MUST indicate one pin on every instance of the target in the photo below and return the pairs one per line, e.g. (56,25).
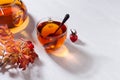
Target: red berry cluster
(19,52)
(15,52)
(30,45)
(28,55)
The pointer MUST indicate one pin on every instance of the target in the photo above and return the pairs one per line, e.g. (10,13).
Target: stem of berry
(73,31)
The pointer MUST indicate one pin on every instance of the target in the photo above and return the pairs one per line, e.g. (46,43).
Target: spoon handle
(64,20)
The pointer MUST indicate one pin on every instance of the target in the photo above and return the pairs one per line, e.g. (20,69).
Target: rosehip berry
(73,36)
(30,45)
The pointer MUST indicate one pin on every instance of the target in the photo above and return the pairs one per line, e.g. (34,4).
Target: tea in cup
(48,26)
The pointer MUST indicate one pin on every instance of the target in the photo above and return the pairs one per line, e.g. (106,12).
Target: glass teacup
(48,26)
(14,14)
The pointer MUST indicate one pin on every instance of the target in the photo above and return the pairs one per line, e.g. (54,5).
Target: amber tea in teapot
(14,14)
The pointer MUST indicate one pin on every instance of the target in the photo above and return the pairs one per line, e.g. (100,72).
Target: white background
(98,26)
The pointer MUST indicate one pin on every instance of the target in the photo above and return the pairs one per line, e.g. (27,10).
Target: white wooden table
(98,26)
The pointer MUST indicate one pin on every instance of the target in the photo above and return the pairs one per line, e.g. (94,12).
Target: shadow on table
(33,70)
(27,32)
(73,59)
(80,42)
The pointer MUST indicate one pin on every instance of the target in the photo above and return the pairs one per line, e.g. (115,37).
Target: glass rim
(52,18)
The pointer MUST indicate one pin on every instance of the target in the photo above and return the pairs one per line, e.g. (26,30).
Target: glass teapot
(14,14)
